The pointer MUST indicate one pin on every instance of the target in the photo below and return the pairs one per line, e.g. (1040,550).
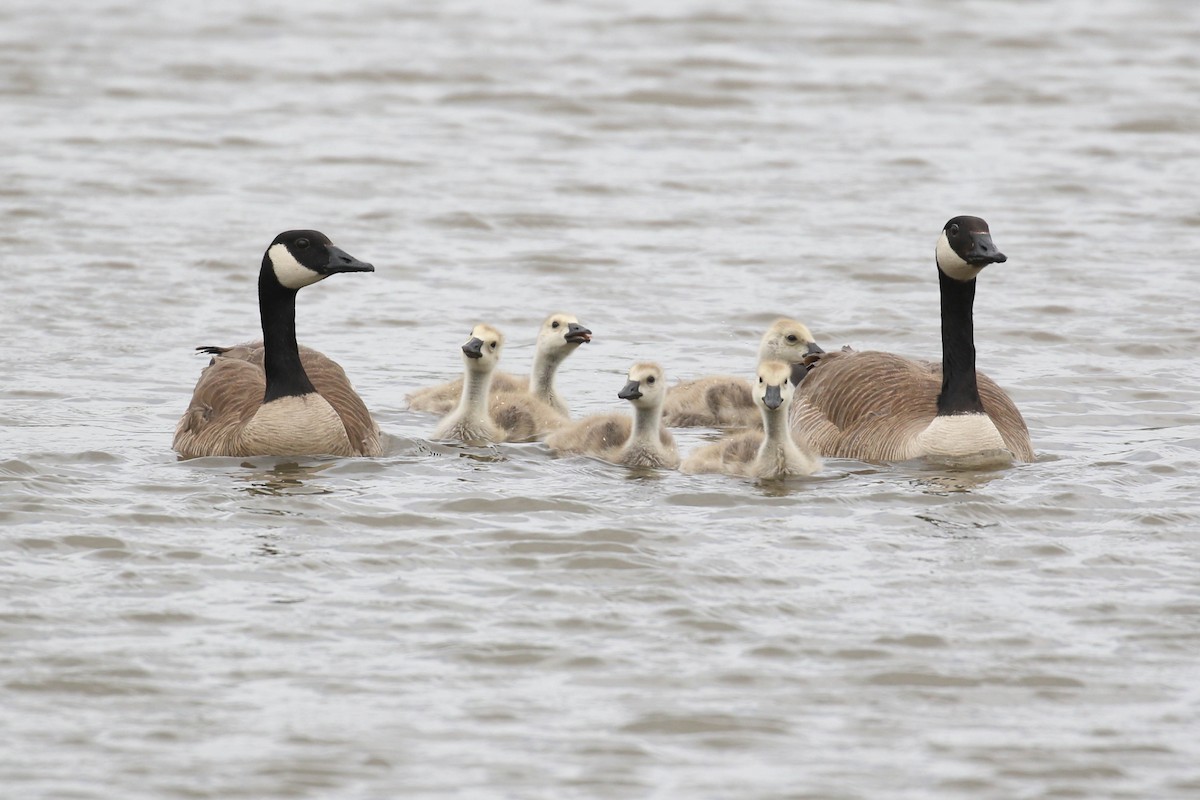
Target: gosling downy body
(877,406)
(273,397)
(638,442)
(772,453)
(485,417)
(726,401)
(560,335)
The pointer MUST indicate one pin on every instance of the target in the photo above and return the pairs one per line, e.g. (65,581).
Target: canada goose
(725,401)
(878,406)
(767,454)
(275,398)
(560,335)
(482,417)
(642,442)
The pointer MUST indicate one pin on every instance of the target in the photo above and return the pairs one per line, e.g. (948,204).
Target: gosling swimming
(771,453)
(640,442)
(559,336)
(483,417)
(725,401)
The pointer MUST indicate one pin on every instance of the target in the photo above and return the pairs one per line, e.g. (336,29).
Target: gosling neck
(545,366)
(775,426)
(473,404)
(645,424)
(281,355)
(960,389)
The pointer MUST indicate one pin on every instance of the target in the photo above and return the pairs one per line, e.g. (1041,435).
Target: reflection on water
(283,479)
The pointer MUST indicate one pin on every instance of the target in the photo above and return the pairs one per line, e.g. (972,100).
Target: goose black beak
(341,261)
(630,392)
(983,251)
(773,398)
(473,348)
(814,349)
(577,334)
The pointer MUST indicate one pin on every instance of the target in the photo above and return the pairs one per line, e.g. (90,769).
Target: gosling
(640,442)
(769,454)
(507,416)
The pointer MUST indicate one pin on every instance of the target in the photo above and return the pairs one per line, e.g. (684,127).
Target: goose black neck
(281,355)
(960,390)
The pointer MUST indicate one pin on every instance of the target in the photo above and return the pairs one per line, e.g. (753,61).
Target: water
(449,622)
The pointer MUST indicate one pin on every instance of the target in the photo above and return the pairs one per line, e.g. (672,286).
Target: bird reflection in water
(284,479)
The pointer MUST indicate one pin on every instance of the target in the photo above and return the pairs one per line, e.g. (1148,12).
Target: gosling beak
(341,261)
(630,392)
(473,348)
(983,251)
(814,349)
(773,398)
(577,334)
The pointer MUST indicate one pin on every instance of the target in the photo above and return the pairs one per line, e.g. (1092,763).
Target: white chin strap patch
(288,271)
(952,264)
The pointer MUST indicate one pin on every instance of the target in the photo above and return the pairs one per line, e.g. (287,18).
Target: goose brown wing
(227,395)
(327,377)
(331,382)
(1006,416)
(865,405)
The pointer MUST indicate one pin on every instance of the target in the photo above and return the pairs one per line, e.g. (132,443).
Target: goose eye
(650,379)
(493,345)
(792,338)
(954,230)
(302,243)
(760,380)
(555,325)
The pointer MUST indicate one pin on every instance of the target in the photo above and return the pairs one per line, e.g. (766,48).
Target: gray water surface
(466,622)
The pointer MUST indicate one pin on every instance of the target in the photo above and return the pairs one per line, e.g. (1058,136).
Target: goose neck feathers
(294,260)
(960,390)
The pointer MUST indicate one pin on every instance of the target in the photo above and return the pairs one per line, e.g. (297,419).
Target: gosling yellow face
(482,349)
(645,387)
(789,341)
(562,333)
(774,388)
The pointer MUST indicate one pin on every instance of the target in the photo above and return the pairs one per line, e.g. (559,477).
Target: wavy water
(495,622)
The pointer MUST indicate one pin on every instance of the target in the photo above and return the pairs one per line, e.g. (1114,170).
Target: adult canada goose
(641,442)
(273,397)
(770,453)
(725,401)
(482,417)
(878,406)
(560,335)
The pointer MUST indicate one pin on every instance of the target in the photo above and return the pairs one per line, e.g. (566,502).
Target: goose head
(774,389)
(481,351)
(645,387)
(789,341)
(560,335)
(300,258)
(965,248)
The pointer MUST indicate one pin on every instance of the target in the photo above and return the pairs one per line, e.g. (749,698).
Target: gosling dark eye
(954,230)
(493,345)
(792,338)
(555,325)
(650,379)
(760,380)
(302,243)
